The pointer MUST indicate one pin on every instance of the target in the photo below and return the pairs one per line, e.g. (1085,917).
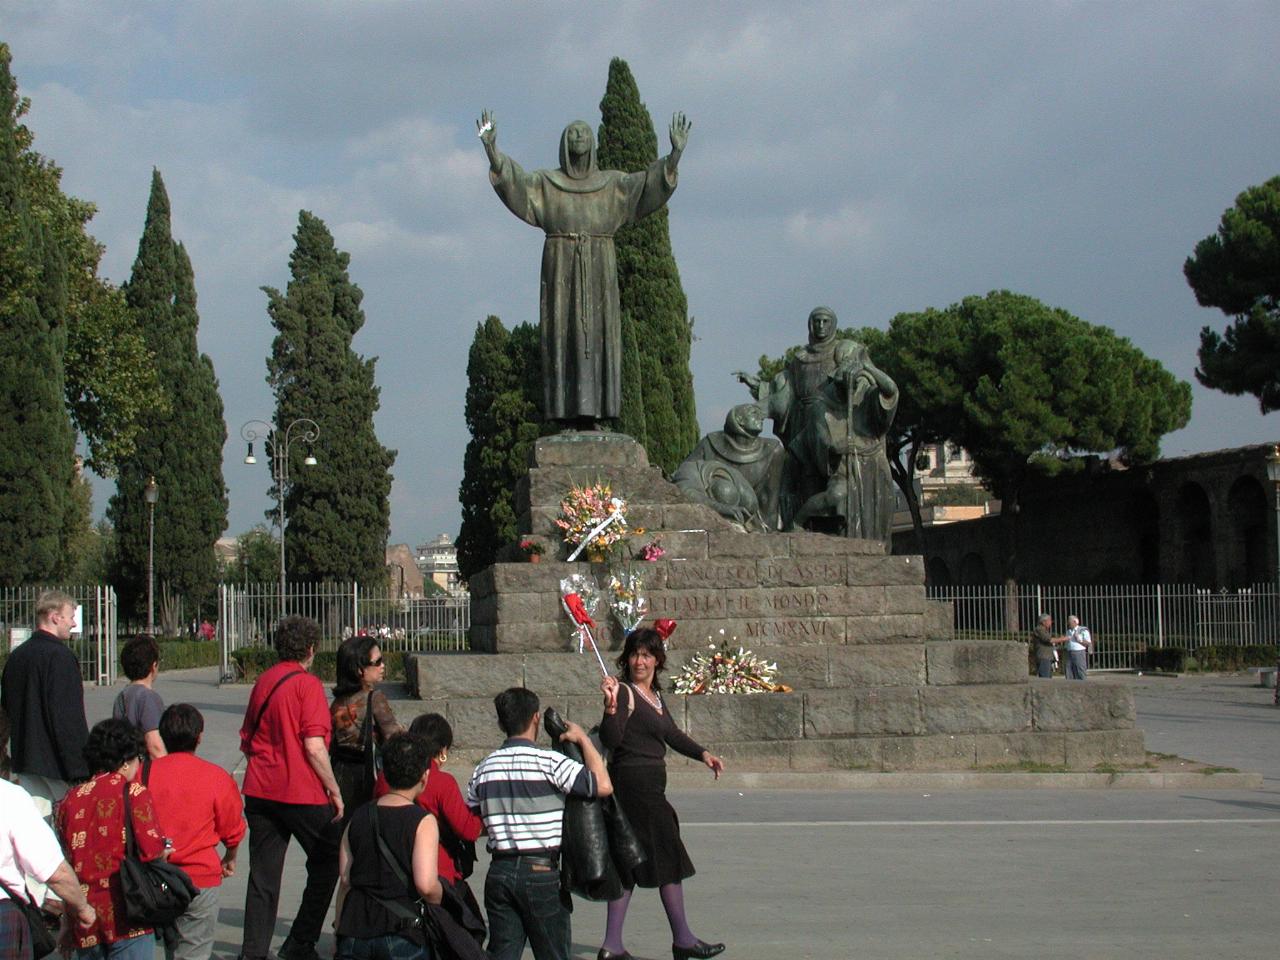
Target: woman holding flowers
(637,727)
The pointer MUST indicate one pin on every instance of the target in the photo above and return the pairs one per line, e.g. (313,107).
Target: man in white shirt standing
(1079,644)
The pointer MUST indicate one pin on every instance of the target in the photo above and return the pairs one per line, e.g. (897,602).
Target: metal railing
(95,643)
(1125,620)
(247,615)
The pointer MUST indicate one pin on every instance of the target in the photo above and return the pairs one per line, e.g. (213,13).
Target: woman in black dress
(637,727)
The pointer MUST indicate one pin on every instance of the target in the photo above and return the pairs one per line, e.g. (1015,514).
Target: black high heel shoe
(606,955)
(699,949)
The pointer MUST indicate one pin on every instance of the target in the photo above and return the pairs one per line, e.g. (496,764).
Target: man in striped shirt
(519,791)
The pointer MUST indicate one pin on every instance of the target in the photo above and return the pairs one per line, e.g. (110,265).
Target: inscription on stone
(694,575)
(792,602)
(816,630)
(676,604)
(801,573)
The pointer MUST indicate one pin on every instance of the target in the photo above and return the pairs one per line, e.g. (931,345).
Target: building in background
(1209,519)
(946,487)
(438,562)
(404,579)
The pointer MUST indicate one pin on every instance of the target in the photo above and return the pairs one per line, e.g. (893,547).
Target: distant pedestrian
(1044,644)
(1079,642)
(43,694)
(290,793)
(138,702)
(519,791)
(200,807)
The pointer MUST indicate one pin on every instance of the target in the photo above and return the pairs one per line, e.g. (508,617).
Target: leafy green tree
(502,416)
(182,448)
(657,386)
(111,381)
(338,511)
(257,558)
(1237,270)
(36,438)
(1026,388)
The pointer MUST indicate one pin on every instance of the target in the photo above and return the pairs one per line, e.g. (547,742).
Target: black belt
(537,859)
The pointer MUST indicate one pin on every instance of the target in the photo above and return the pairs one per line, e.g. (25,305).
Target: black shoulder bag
(155,892)
(406,918)
(42,940)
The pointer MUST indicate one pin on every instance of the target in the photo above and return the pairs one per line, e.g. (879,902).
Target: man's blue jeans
(522,899)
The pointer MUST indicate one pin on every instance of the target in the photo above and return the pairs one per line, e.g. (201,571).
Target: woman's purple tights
(672,895)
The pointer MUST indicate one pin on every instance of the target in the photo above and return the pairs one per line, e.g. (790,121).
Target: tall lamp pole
(151,493)
(1273,474)
(277,443)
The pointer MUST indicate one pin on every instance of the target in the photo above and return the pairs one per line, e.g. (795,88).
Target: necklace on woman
(654,701)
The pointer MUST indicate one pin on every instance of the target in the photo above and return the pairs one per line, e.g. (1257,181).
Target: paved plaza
(1044,873)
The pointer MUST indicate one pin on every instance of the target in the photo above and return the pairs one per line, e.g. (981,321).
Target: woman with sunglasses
(362,719)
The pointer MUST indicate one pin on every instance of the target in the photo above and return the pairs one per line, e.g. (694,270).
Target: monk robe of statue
(580,208)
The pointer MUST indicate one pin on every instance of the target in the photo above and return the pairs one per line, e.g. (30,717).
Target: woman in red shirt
(91,826)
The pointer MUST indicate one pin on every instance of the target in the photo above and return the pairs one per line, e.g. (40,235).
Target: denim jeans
(389,947)
(523,902)
(135,948)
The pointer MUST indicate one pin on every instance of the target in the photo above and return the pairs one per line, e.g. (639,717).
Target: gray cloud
(877,158)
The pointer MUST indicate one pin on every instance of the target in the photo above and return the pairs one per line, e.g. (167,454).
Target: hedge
(185,654)
(252,662)
(1214,657)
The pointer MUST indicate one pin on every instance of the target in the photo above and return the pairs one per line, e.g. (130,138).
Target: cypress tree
(502,416)
(657,403)
(338,512)
(182,447)
(36,439)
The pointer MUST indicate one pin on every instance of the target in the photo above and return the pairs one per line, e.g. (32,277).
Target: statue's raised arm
(680,127)
(487,131)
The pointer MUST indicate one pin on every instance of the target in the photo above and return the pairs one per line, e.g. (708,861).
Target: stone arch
(973,570)
(1196,558)
(937,572)
(1246,549)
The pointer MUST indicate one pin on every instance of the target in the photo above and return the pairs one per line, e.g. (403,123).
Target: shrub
(183,654)
(252,662)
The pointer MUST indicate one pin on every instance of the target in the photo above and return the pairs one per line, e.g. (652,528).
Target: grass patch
(1211,770)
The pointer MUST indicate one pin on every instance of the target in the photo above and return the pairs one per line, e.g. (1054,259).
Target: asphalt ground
(963,873)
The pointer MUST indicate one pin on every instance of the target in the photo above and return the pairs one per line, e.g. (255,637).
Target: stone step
(1027,707)
(436,676)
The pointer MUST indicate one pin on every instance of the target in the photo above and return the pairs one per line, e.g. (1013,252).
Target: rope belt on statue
(581,284)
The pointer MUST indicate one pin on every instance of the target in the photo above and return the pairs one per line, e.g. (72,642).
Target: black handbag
(596,837)
(42,939)
(155,892)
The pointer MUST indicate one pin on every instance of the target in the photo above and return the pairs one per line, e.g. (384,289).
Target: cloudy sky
(874,157)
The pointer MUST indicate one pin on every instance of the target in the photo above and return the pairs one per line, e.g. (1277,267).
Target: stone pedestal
(879,682)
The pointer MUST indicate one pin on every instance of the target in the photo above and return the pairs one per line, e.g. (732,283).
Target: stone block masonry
(879,681)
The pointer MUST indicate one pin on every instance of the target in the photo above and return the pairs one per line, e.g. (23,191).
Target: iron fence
(94,644)
(1125,620)
(247,615)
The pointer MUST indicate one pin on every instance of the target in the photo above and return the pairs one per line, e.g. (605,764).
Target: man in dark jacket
(43,694)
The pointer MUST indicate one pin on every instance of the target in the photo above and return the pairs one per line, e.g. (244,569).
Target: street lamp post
(277,445)
(1273,474)
(151,493)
